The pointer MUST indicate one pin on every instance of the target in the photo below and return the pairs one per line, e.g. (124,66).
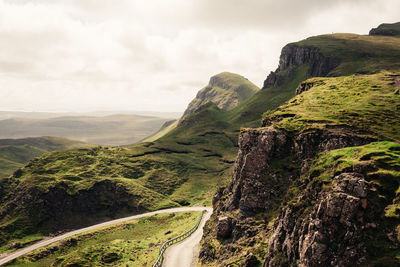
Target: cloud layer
(154,55)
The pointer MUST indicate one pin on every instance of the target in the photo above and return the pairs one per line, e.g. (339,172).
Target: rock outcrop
(226,90)
(386,29)
(293,56)
(332,235)
(268,163)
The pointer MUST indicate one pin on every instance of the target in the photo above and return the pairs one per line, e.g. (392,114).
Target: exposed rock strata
(257,187)
(332,235)
(293,56)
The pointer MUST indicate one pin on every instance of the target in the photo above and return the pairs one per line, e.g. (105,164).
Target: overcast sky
(60,55)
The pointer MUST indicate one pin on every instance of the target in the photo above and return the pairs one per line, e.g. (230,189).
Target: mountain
(226,90)
(116,129)
(275,164)
(15,153)
(317,183)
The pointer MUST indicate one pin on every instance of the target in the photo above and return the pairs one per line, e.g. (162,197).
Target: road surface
(46,242)
(184,254)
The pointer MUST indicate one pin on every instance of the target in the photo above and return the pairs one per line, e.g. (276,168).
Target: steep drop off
(312,187)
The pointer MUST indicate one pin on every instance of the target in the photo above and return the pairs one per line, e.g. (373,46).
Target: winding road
(186,253)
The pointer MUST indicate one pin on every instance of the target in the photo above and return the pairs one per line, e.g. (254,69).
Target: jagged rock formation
(293,56)
(294,194)
(386,29)
(226,90)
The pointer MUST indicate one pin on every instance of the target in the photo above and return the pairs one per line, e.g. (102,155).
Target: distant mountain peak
(226,90)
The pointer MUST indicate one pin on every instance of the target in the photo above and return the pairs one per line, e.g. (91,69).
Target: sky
(85,55)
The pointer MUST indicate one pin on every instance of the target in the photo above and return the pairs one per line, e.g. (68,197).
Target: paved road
(184,254)
(49,241)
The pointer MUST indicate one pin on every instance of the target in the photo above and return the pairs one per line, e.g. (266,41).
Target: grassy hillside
(127,244)
(365,103)
(357,53)
(184,167)
(166,128)
(15,153)
(388,29)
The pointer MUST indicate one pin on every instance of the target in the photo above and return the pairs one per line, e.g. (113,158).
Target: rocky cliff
(226,90)
(311,188)
(293,56)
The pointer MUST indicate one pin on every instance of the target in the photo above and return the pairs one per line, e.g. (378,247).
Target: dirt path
(48,241)
(184,254)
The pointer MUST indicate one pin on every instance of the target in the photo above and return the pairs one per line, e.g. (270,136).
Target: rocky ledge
(293,56)
(305,220)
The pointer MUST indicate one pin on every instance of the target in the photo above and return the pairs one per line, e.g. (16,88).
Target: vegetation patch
(133,243)
(364,103)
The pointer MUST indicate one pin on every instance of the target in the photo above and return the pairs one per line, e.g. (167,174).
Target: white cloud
(154,54)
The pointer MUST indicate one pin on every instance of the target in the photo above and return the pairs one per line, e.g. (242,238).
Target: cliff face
(293,56)
(226,90)
(269,162)
(311,188)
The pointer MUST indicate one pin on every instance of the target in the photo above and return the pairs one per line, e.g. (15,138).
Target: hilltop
(226,90)
(388,29)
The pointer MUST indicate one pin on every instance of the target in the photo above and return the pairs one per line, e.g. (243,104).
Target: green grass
(365,103)
(163,131)
(15,153)
(188,164)
(131,242)
(379,162)
(391,29)
(357,53)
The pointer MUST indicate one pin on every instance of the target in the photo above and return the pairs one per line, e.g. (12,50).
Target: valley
(302,172)
(112,130)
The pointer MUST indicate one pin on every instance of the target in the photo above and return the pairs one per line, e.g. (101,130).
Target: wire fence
(175,240)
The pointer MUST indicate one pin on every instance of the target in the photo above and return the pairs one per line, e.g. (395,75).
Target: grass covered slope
(388,29)
(15,153)
(380,215)
(226,90)
(166,128)
(127,244)
(365,103)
